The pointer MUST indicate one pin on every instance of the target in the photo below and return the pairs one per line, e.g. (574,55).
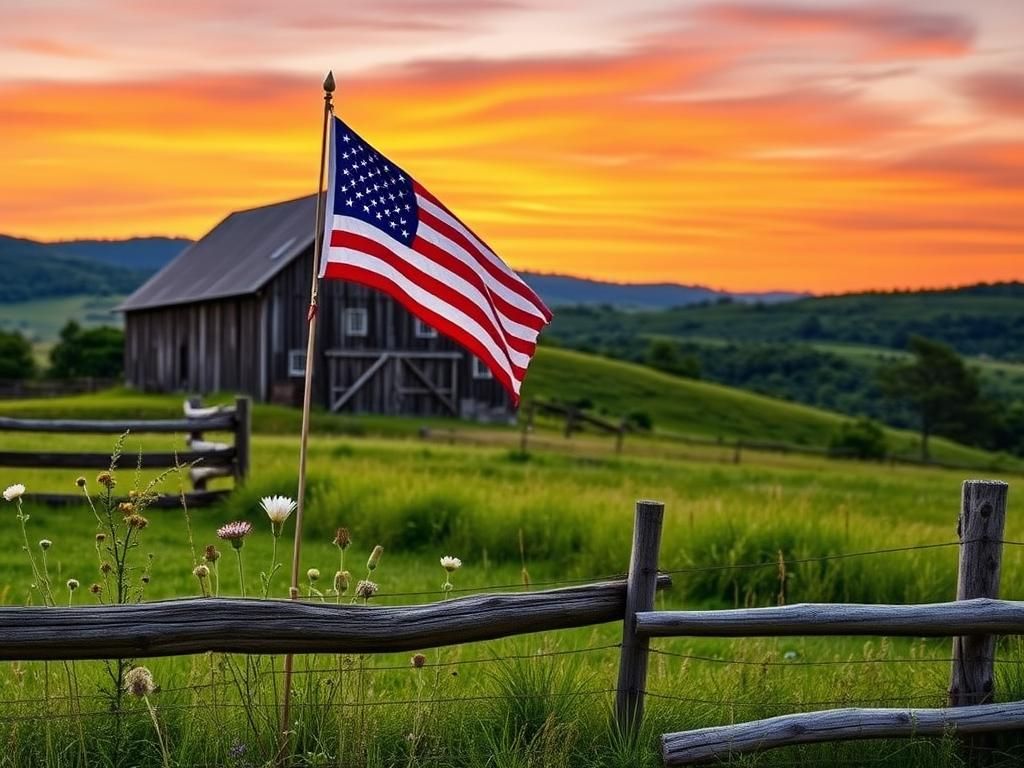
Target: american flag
(384,230)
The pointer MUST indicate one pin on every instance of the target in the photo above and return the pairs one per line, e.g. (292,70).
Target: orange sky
(742,145)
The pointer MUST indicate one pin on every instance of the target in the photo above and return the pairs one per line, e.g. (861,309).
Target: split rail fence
(191,626)
(208,459)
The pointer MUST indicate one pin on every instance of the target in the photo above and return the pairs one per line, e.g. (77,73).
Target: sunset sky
(743,145)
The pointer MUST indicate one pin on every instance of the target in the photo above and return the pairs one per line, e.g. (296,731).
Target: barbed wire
(794,703)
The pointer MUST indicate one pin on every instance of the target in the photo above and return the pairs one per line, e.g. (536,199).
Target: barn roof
(236,258)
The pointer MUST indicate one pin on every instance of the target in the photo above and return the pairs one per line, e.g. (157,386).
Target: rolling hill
(975,320)
(683,406)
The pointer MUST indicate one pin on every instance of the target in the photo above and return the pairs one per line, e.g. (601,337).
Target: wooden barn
(229,314)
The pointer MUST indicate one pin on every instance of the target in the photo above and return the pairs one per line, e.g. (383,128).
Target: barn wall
(243,345)
(195,348)
(390,328)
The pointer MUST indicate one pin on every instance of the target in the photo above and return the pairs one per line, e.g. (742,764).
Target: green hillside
(34,270)
(683,406)
(976,320)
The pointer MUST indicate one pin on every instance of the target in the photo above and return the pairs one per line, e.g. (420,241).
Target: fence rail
(980,616)
(208,459)
(973,621)
(182,627)
(709,745)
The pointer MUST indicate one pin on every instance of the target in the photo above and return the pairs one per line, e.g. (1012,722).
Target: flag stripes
(386,231)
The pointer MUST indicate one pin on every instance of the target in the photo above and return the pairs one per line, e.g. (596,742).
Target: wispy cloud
(883,31)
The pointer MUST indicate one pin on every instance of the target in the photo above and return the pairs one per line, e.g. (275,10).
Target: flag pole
(318,238)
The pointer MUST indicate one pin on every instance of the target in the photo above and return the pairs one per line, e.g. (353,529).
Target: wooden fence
(179,627)
(211,459)
(973,621)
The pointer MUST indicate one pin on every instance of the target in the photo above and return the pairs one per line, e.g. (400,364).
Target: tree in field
(666,356)
(16,361)
(95,352)
(942,390)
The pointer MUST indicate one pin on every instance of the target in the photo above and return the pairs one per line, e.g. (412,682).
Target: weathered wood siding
(243,344)
(204,347)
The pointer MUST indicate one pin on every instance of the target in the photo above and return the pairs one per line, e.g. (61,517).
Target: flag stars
(349,202)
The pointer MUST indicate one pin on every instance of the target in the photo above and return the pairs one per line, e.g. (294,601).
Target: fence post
(980,528)
(243,429)
(640,589)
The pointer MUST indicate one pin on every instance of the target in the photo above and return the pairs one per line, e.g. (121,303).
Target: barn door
(409,383)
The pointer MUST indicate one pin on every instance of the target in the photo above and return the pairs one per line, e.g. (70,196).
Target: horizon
(828,147)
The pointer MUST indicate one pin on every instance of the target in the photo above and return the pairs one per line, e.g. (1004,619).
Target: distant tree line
(80,353)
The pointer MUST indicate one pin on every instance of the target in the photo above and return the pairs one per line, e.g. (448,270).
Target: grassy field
(538,700)
(41,320)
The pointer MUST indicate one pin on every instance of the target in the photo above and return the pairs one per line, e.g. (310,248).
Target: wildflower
(138,681)
(126,508)
(100,538)
(235,532)
(278,509)
(45,544)
(136,521)
(80,482)
(366,589)
(201,571)
(313,574)
(341,579)
(371,564)
(450,563)
(73,584)
(342,539)
(133,494)
(14,492)
(106,480)
(96,588)
(105,568)
(144,578)
(418,660)
(211,554)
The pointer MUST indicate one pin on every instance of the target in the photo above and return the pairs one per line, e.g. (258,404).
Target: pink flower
(235,532)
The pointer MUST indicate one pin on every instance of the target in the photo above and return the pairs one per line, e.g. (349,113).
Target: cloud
(885,32)
(999,92)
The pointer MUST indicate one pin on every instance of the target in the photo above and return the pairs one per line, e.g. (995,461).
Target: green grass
(574,514)
(570,504)
(685,406)
(41,320)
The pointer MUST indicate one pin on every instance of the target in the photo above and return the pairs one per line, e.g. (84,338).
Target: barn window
(481,371)
(355,321)
(424,331)
(297,362)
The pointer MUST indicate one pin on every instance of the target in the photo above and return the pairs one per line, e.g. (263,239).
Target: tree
(666,356)
(861,439)
(16,361)
(941,390)
(96,352)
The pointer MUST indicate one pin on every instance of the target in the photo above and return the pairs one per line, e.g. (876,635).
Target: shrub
(861,439)
(16,360)
(97,352)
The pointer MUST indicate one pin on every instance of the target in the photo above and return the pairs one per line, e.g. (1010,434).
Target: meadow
(560,513)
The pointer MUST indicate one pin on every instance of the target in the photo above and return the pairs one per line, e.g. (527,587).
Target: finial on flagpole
(329,82)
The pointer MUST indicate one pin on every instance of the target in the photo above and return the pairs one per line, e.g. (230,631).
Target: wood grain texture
(180,627)
(224,421)
(978,616)
(642,584)
(712,744)
(980,528)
